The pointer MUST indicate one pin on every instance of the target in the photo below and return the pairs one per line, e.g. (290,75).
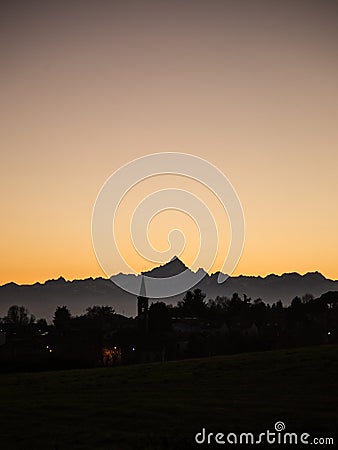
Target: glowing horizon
(252,88)
(151,266)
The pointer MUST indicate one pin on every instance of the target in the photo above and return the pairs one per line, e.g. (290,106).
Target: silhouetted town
(196,327)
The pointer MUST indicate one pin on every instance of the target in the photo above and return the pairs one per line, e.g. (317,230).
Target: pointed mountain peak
(169,269)
(173,258)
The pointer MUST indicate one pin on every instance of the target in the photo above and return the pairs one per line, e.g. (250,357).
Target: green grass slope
(162,406)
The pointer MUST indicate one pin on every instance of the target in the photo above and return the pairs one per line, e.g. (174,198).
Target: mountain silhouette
(42,299)
(174,267)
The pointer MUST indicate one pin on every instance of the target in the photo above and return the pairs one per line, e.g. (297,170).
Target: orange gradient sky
(88,86)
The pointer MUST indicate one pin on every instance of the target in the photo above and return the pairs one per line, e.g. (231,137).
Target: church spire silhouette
(143,288)
(143,307)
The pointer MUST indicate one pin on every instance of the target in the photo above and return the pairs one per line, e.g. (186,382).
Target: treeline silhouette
(193,328)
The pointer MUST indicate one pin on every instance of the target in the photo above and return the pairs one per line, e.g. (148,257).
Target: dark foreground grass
(163,405)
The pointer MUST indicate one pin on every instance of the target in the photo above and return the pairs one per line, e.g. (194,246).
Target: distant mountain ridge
(42,298)
(169,269)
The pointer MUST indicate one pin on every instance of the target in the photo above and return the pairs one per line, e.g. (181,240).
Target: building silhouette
(143,308)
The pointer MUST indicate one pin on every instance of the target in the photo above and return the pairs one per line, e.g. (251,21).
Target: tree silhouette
(19,315)
(193,304)
(100,312)
(62,318)
(159,317)
(101,318)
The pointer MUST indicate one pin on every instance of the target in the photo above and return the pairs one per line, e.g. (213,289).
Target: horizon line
(69,280)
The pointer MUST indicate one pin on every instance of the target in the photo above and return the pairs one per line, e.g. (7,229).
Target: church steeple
(143,288)
(143,307)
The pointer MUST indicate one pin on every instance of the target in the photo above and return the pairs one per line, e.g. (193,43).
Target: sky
(250,86)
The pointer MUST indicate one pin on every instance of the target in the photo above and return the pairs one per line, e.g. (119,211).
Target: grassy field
(163,405)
